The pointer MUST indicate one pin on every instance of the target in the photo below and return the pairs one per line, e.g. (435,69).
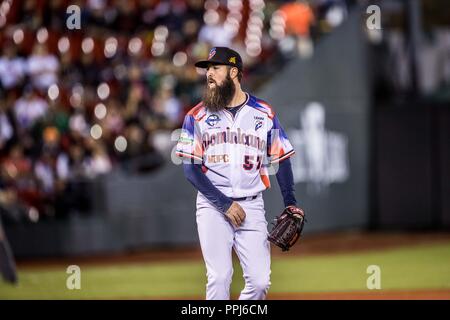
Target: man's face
(216,74)
(220,88)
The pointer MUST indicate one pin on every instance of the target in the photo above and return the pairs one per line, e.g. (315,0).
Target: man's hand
(236,214)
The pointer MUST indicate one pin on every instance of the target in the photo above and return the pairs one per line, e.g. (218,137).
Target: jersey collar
(238,106)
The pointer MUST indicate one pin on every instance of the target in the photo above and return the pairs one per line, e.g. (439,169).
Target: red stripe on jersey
(195,111)
(268,107)
(285,156)
(188,155)
(265,179)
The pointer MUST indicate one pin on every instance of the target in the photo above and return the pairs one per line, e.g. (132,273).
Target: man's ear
(233,72)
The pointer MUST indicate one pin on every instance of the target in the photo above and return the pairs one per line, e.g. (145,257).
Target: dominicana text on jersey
(235,151)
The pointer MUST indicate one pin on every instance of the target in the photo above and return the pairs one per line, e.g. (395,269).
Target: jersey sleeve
(278,146)
(189,144)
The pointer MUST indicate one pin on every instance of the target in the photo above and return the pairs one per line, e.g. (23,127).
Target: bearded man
(227,143)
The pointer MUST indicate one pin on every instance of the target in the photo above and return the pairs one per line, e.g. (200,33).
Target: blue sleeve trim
(285,180)
(198,179)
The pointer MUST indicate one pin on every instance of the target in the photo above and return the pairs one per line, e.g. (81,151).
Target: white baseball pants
(217,238)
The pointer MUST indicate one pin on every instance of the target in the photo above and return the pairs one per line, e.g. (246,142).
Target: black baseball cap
(221,55)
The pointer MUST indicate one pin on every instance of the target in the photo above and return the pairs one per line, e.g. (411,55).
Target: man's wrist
(290,204)
(227,202)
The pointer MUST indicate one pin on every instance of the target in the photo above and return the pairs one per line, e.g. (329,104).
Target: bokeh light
(53,92)
(180,59)
(120,143)
(87,45)
(103,91)
(18,36)
(96,131)
(100,111)
(63,44)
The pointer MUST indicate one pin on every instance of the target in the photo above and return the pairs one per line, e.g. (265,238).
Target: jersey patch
(212,120)
(258,125)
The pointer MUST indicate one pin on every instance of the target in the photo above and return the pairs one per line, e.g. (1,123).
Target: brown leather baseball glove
(287,228)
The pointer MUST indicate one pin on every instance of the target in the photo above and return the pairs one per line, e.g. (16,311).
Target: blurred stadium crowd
(75,104)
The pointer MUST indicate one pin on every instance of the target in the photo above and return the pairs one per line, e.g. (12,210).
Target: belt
(245,198)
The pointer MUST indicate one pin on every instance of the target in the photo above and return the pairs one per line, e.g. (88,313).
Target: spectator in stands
(6,128)
(168,106)
(100,161)
(299,17)
(332,12)
(114,121)
(215,32)
(18,174)
(54,14)
(44,170)
(30,14)
(78,124)
(43,68)
(29,108)
(12,68)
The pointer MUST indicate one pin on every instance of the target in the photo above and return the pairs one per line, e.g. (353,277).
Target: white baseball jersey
(235,151)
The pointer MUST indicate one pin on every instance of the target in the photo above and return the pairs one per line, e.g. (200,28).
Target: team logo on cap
(212,53)
(232,60)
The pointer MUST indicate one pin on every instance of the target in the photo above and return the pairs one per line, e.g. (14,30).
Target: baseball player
(7,263)
(227,143)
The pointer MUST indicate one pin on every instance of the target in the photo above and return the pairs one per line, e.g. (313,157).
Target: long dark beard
(218,97)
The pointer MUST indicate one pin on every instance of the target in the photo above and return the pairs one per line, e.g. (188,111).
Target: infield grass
(417,267)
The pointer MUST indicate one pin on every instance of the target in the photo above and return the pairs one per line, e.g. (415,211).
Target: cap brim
(205,63)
